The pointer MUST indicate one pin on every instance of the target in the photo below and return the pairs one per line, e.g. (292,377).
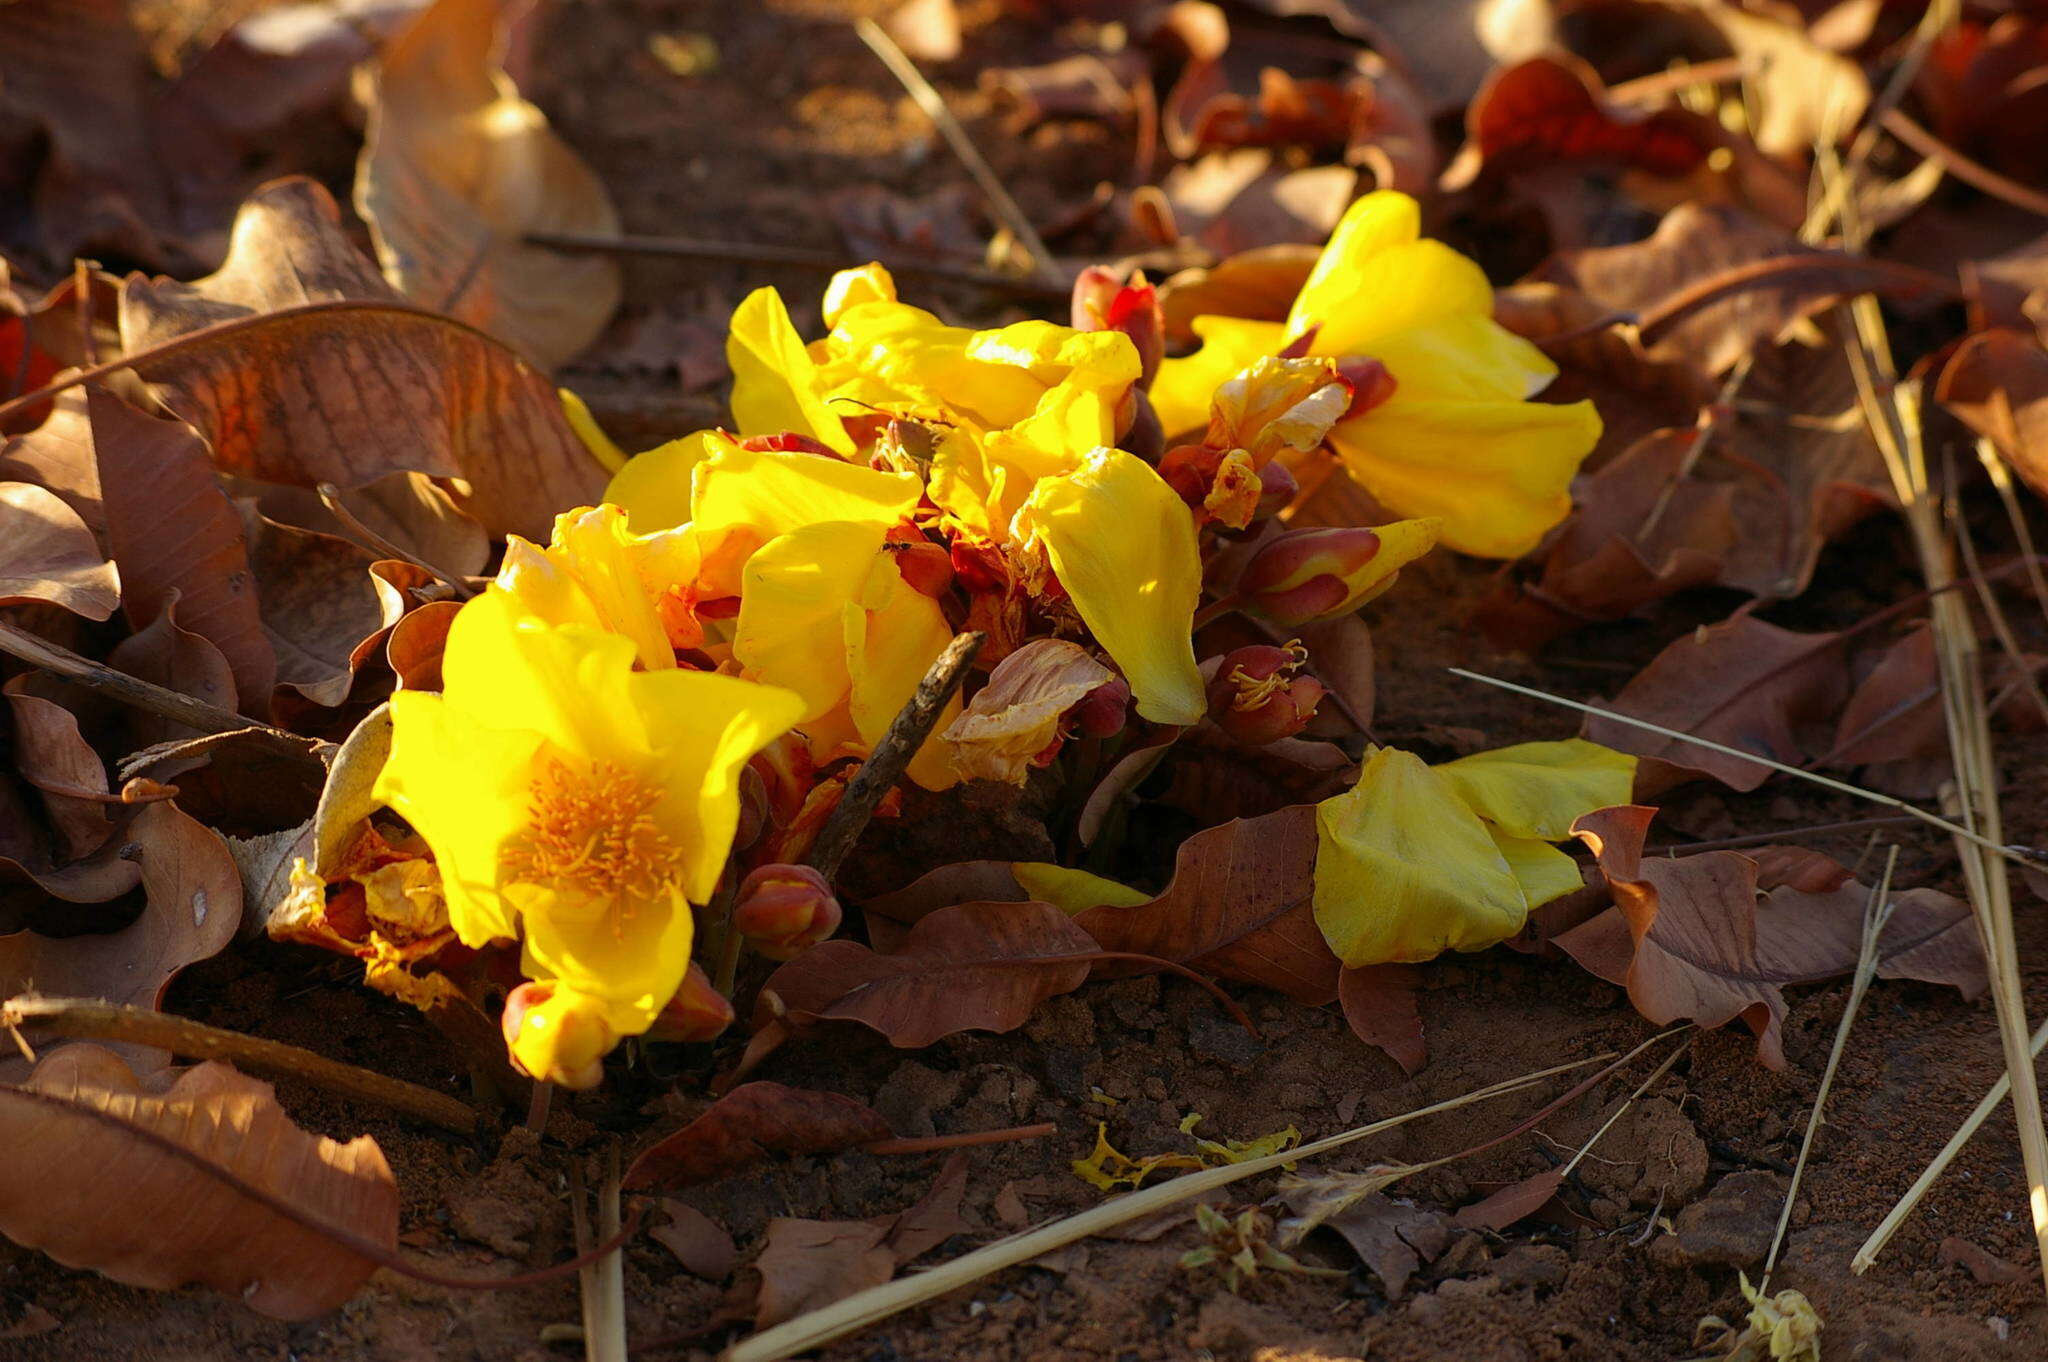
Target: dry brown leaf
(1379,1006)
(746,1125)
(1554,110)
(1259,283)
(457,169)
(348,394)
(1742,683)
(167,654)
(175,536)
(967,967)
(318,602)
(699,1243)
(1996,382)
(90,1182)
(49,751)
(1692,939)
(48,554)
(808,1264)
(1516,1201)
(1232,201)
(1394,1239)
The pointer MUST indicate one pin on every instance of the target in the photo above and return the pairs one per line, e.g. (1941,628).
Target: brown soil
(796,108)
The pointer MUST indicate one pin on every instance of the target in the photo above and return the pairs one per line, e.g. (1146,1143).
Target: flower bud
(1278,487)
(1103,711)
(925,566)
(1371,383)
(1259,695)
(1102,302)
(557,1035)
(781,909)
(698,1012)
(1302,576)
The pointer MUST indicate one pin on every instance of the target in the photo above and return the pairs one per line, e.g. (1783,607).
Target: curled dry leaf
(175,535)
(808,1264)
(1555,109)
(53,756)
(48,554)
(318,605)
(458,169)
(748,1124)
(1693,939)
(169,655)
(1260,284)
(967,967)
(1996,382)
(142,1186)
(350,384)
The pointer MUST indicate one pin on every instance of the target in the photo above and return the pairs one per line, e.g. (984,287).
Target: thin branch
(133,691)
(1758,839)
(885,765)
(932,1144)
(929,100)
(1973,173)
(330,497)
(91,1019)
(1865,276)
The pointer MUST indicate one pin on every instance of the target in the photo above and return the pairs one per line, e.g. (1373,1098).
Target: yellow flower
(1123,546)
(1417,860)
(596,572)
(574,803)
(1457,436)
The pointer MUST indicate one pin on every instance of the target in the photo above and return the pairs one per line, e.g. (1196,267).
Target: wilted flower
(1449,430)
(1259,694)
(1300,576)
(1014,721)
(577,805)
(781,909)
(698,1012)
(1417,860)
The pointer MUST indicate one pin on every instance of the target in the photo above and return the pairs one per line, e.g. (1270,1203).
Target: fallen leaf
(935,1217)
(1516,1201)
(1259,284)
(288,61)
(318,605)
(1234,200)
(748,1124)
(1985,1267)
(457,169)
(699,1243)
(48,554)
(370,385)
(1692,939)
(1742,683)
(175,535)
(167,654)
(1394,1239)
(1996,382)
(1555,109)
(808,1264)
(49,751)
(1379,1006)
(91,1182)
(968,967)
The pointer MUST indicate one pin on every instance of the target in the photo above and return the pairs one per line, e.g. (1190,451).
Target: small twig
(603,1278)
(2022,855)
(91,1019)
(1875,276)
(330,497)
(1877,913)
(133,691)
(932,1144)
(537,1103)
(885,765)
(1662,1068)
(1757,839)
(1973,173)
(801,257)
(2001,478)
(934,106)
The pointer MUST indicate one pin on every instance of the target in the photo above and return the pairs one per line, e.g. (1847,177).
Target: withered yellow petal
(1539,789)
(1123,545)
(1405,871)
(1072,891)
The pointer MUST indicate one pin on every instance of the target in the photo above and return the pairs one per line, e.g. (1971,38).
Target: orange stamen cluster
(592,830)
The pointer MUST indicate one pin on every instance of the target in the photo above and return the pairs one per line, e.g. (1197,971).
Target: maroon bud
(1277,490)
(1102,712)
(1370,382)
(698,1012)
(1259,694)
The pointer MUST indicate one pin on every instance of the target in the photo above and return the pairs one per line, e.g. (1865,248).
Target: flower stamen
(593,831)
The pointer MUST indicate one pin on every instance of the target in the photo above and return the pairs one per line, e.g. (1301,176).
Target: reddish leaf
(808,1264)
(748,1124)
(1555,109)
(88,1181)
(1516,1201)
(349,394)
(968,967)
(1691,939)
(172,531)
(699,1243)
(1379,1004)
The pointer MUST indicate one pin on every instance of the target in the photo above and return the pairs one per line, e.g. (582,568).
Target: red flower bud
(1102,712)
(1370,382)
(1102,302)
(698,1012)
(1259,695)
(1277,491)
(926,566)
(1301,576)
(781,909)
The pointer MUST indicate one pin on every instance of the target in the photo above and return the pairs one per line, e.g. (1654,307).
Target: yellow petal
(745,498)
(1123,545)
(600,445)
(1404,871)
(892,641)
(1497,473)
(1467,358)
(1368,228)
(1074,892)
(885,353)
(797,590)
(1183,389)
(506,669)
(654,488)
(775,382)
(871,283)
(629,962)
(1539,789)
(1398,290)
(596,572)
(1543,872)
(464,787)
